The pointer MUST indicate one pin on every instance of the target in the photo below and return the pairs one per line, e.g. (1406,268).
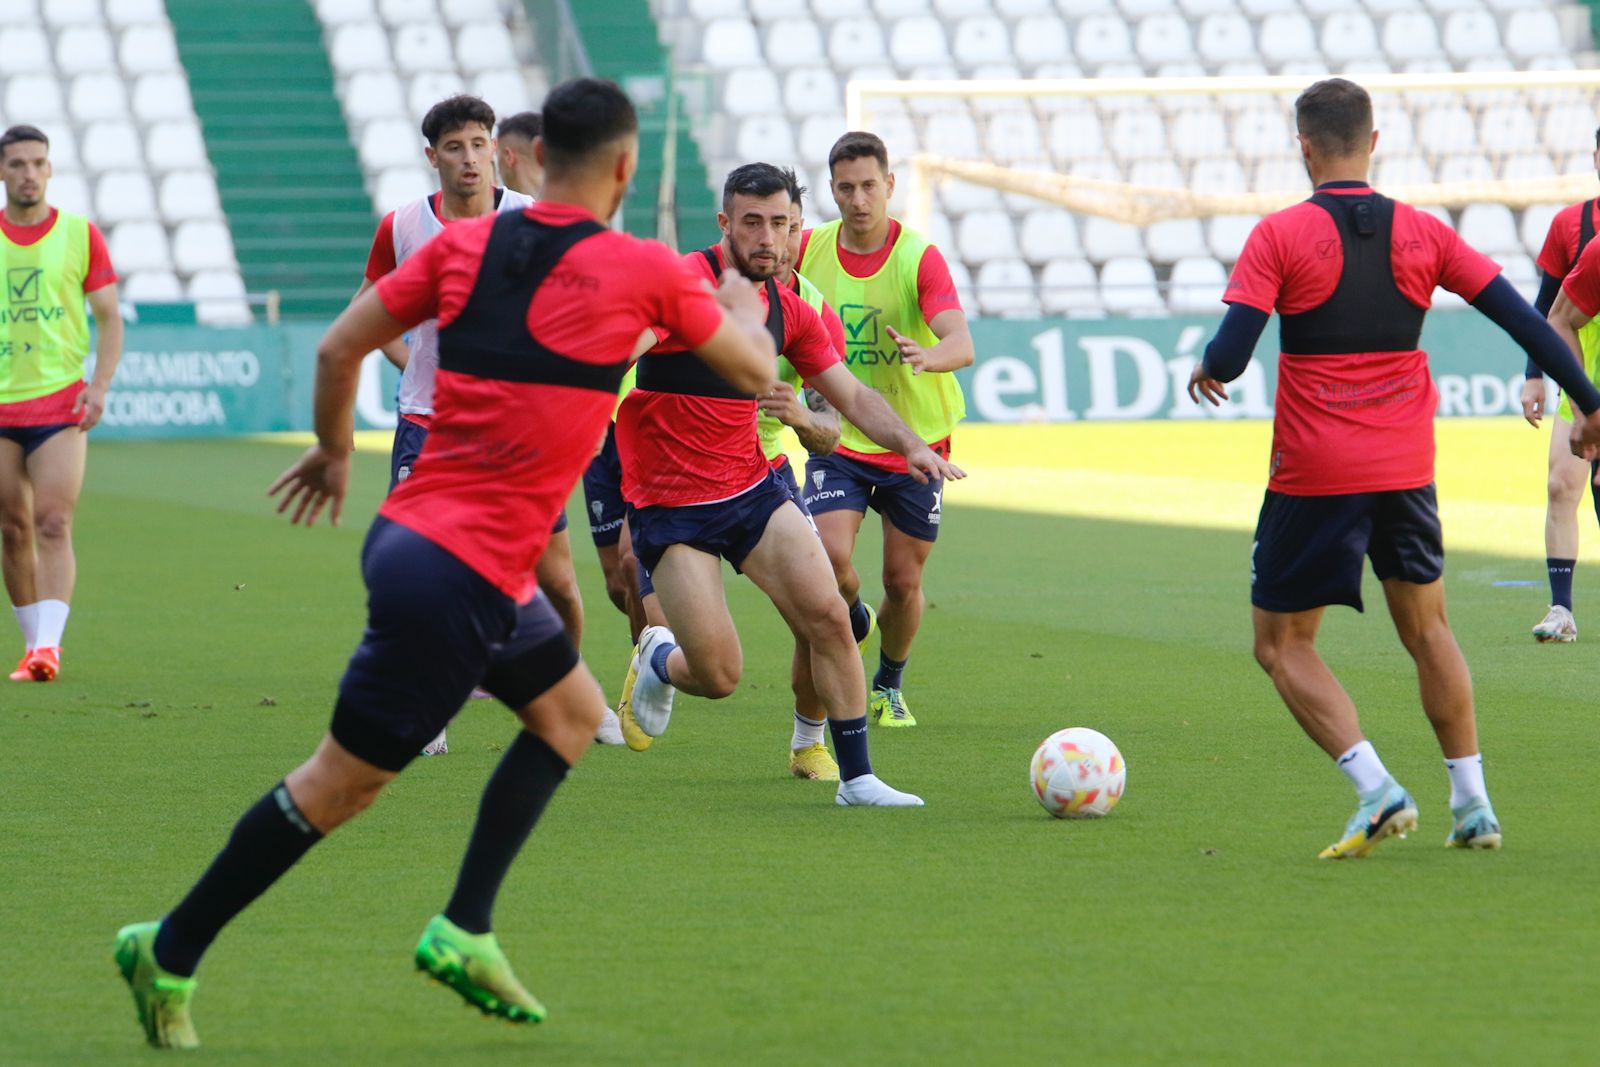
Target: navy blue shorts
(31,437)
(1308,549)
(408,439)
(837,483)
(602,492)
(785,471)
(435,629)
(729,528)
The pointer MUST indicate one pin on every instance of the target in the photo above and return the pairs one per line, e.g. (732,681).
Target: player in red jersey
(701,488)
(1570,232)
(1351,274)
(539,313)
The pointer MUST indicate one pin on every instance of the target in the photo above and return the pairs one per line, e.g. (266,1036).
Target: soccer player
(527,377)
(519,170)
(905,335)
(1351,274)
(52,262)
(1570,232)
(700,488)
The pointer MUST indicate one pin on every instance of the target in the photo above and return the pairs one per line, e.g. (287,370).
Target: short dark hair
(581,116)
(755,179)
(797,192)
(522,124)
(1335,115)
(21,133)
(858,144)
(455,112)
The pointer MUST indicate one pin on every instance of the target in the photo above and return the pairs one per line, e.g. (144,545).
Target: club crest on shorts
(817,478)
(597,506)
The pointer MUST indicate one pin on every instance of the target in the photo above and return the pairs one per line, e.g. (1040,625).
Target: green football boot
(161,997)
(474,966)
(887,707)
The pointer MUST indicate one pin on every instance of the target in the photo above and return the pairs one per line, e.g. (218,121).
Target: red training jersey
(99,273)
(1582,283)
(502,456)
(679,450)
(1358,422)
(1560,252)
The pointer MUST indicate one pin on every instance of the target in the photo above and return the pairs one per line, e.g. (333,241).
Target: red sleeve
(681,300)
(1555,258)
(835,328)
(1462,269)
(936,290)
(806,340)
(1257,279)
(1582,286)
(100,273)
(435,281)
(805,239)
(380,260)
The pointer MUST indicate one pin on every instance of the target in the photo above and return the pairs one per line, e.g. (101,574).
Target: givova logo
(817,478)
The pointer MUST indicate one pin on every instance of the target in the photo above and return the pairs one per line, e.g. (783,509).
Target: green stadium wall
(198,381)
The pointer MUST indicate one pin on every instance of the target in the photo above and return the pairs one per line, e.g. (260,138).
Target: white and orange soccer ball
(1077,773)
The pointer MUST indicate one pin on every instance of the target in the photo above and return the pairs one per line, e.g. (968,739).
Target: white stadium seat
(1038,40)
(70,192)
(818,133)
(1196,285)
(423,46)
(399,12)
(162,96)
(1521,272)
(359,46)
(1068,286)
(1049,233)
(1226,234)
(388,143)
(1527,165)
(953,134)
(1006,287)
(1508,128)
(97,96)
(150,287)
(1562,124)
(36,95)
(84,48)
(1216,176)
(72,12)
(504,90)
(1348,35)
(1101,39)
(1138,134)
(484,46)
(1199,9)
(794,43)
(1226,38)
(139,245)
(429,88)
(338,12)
(918,39)
(461,12)
(201,246)
(811,91)
(148,49)
(894,9)
(950,9)
(112,145)
(1159,173)
(189,194)
(1536,226)
(1446,128)
(1106,239)
(20,12)
(132,12)
(1013,137)
(1471,35)
(836,9)
(730,43)
(1466,167)
(27,51)
(399,185)
(1128,286)
(1164,39)
(1394,169)
(123,195)
(374,95)
(1198,133)
(175,144)
(1534,33)
(766,137)
(751,91)
(1021,8)
(1286,38)
(981,40)
(1171,240)
(959,197)
(986,235)
(1076,135)
(63,147)
(219,298)
(855,42)
(1410,35)
(1262,133)
(705,10)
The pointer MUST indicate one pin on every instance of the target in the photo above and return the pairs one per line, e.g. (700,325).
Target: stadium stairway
(288,176)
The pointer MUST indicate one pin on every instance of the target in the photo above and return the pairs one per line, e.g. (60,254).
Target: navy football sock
(267,840)
(515,797)
(860,621)
(888,676)
(850,747)
(1560,581)
(658,661)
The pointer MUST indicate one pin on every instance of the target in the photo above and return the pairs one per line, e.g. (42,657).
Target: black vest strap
(687,374)
(1367,312)
(490,338)
(1585,228)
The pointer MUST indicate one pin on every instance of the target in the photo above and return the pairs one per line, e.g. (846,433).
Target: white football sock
(1466,779)
(1362,766)
(807,732)
(52,623)
(28,619)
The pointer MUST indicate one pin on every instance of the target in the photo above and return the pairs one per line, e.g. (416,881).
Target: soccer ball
(1078,773)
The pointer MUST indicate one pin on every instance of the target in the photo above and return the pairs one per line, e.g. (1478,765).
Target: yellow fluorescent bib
(44,329)
(931,404)
(1589,338)
(768,426)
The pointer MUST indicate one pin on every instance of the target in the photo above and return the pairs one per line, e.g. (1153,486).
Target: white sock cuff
(1360,763)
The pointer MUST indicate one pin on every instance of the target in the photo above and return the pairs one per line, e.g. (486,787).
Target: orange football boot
(44,664)
(21,673)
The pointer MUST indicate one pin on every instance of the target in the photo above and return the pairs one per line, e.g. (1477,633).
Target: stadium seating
(779,71)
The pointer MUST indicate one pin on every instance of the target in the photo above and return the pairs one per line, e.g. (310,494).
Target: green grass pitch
(693,905)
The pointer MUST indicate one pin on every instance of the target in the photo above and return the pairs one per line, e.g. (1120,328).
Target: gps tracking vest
(768,427)
(44,329)
(689,375)
(415,224)
(931,404)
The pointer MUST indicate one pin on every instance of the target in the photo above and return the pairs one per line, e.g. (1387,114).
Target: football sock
(52,623)
(807,732)
(658,661)
(28,620)
(1466,779)
(850,747)
(515,797)
(860,621)
(1560,581)
(1360,764)
(888,676)
(268,839)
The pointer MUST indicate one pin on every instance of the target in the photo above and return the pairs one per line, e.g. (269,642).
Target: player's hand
(1585,439)
(1202,384)
(784,404)
(1533,400)
(89,406)
(912,354)
(925,465)
(739,297)
(317,480)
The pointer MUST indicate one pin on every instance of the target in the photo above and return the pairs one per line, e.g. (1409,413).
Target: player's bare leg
(900,616)
(55,473)
(838,530)
(621,571)
(708,660)
(1568,477)
(16,548)
(559,581)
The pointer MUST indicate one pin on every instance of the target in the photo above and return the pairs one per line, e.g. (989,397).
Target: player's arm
(953,351)
(1228,353)
(806,412)
(108,329)
(872,415)
(394,350)
(1534,394)
(740,350)
(381,260)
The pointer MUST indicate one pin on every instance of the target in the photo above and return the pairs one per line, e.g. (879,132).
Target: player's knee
(16,531)
(1564,490)
(902,584)
(827,624)
(719,678)
(53,526)
(1269,651)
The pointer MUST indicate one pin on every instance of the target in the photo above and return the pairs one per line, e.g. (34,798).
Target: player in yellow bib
(905,335)
(51,262)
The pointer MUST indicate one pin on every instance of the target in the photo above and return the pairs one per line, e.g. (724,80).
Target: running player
(700,488)
(1570,232)
(527,378)
(1352,449)
(514,136)
(52,262)
(906,334)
